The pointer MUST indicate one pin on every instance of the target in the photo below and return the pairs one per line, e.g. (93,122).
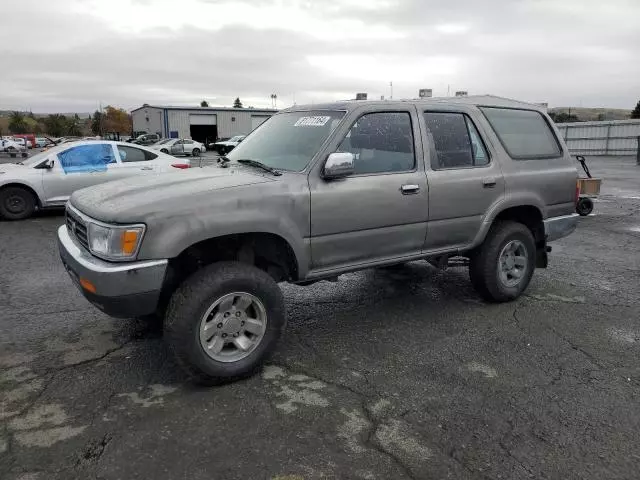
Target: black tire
(17,203)
(584,206)
(164,150)
(483,266)
(190,302)
(196,152)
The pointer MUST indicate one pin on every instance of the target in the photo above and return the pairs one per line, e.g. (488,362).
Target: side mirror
(48,164)
(339,165)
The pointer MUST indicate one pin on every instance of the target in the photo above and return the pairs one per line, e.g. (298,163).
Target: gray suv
(315,192)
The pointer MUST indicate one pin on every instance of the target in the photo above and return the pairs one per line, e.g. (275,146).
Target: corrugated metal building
(204,124)
(614,137)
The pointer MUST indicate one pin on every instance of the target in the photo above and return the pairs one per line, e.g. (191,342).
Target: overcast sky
(70,55)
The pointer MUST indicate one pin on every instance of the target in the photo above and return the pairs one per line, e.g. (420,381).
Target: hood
(161,195)
(10,168)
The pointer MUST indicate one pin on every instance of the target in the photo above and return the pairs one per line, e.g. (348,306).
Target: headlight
(114,242)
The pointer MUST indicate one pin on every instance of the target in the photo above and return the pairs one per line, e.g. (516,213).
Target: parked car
(179,146)
(315,192)
(29,139)
(23,141)
(42,142)
(147,139)
(48,178)
(225,146)
(12,147)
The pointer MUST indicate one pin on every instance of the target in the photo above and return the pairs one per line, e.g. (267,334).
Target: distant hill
(6,113)
(591,114)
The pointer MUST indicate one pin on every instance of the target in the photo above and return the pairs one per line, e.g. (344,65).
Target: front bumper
(558,227)
(121,289)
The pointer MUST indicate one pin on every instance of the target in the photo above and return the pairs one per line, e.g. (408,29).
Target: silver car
(48,179)
(179,146)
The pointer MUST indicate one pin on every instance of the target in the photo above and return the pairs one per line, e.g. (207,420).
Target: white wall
(230,122)
(614,137)
(147,119)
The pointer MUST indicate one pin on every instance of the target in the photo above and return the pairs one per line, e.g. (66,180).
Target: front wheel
(224,321)
(196,152)
(502,267)
(16,203)
(164,150)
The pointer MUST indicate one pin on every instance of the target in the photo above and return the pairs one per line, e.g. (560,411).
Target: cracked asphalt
(386,374)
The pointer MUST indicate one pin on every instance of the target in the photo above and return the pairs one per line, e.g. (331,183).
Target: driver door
(77,167)
(381,211)
(178,148)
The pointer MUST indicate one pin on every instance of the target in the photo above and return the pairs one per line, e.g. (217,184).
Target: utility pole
(391,90)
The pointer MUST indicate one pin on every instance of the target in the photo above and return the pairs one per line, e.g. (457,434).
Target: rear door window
(525,134)
(133,154)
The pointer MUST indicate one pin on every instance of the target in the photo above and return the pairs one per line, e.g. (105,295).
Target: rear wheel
(16,203)
(164,150)
(502,267)
(584,206)
(224,321)
(196,152)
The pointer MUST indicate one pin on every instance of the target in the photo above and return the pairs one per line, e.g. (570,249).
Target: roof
(484,100)
(207,109)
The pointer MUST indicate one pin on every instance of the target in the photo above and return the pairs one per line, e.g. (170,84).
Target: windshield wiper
(255,163)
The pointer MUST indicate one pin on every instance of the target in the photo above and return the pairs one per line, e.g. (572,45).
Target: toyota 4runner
(312,193)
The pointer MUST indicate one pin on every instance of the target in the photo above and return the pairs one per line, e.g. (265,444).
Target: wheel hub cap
(512,263)
(233,326)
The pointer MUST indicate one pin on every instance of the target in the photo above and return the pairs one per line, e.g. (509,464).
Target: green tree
(56,125)
(17,123)
(635,113)
(237,103)
(204,103)
(73,126)
(97,123)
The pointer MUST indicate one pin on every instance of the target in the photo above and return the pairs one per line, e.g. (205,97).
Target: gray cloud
(576,53)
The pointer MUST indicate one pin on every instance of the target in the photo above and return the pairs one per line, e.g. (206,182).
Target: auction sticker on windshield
(311,121)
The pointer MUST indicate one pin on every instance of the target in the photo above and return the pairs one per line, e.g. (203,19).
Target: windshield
(237,138)
(166,140)
(288,141)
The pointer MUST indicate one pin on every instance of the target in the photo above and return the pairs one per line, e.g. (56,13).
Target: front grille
(77,228)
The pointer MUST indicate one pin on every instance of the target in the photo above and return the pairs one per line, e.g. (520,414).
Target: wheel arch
(268,251)
(25,186)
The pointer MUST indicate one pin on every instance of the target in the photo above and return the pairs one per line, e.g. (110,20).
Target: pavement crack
(524,466)
(108,352)
(371,443)
(333,383)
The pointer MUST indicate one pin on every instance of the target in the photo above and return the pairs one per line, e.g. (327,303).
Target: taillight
(577,193)
(181,165)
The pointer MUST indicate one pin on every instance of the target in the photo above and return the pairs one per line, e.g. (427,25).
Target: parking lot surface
(386,374)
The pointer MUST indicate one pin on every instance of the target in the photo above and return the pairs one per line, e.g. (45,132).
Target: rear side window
(456,141)
(525,134)
(133,154)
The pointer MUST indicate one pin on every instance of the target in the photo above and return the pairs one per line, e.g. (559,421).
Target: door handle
(146,168)
(409,189)
(489,182)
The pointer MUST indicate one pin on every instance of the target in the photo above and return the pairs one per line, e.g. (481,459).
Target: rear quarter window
(525,134)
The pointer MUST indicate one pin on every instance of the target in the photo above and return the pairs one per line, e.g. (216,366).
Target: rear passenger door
(464,181)
(134,161)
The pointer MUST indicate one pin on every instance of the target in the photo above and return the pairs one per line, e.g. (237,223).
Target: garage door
(200,119)
(256,121)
